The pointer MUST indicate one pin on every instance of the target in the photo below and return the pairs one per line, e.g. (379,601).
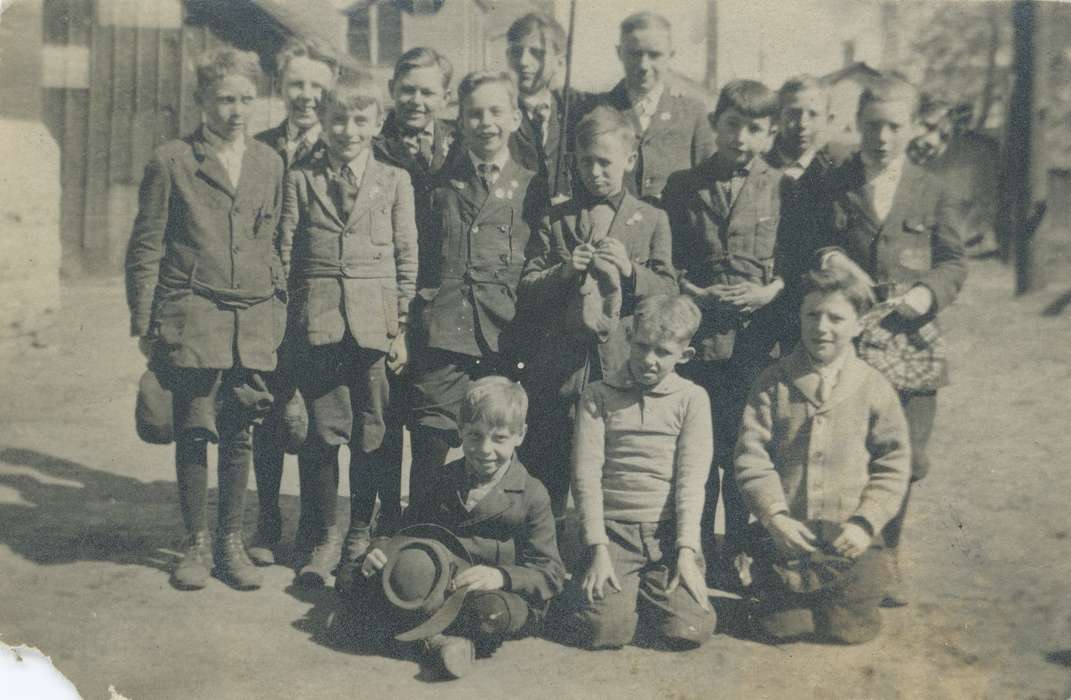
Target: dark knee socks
(235,458)
(318,467)
(268,454)
(191,473)
(892,532)
(430,447)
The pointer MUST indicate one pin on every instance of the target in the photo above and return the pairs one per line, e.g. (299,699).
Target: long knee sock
(235,458)
(429,453)
(320,469)
(191,473)
(892,532)
(268,455)
(364,478)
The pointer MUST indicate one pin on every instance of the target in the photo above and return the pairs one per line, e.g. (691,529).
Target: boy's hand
(852,541)
(583,254)
(790,535)
(599,575)
(748,296)
(398,354)
(918,299)
(614,252)
(374,561)
(479,578)
(690,577)
(705,297)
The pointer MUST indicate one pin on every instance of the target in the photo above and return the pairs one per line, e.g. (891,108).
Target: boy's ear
(523,434)
(515,119)
(448,95)
(390,87)
(630,162)
(687,356)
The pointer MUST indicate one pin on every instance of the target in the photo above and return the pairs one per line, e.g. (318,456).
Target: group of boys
(567,249)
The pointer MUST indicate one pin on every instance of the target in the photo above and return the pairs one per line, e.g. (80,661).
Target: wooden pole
(563,142)
(1025,172)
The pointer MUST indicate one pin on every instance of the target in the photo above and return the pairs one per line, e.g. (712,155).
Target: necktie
(825,387)
(488,173)
(345,191)
(643,114)
(539,114)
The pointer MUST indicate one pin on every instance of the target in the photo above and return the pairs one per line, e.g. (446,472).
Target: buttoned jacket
(679,137)
(203,273)
(848,456)
(356,276)
(550,160)
(476,240)
(545,288)
(720,242)
(511,527)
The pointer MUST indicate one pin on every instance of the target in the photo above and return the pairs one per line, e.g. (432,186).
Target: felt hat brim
(440,619)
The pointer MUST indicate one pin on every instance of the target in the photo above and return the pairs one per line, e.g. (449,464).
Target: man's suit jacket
(511,528)
(528,149)
(356,276)
(275,138)
(476,240)
(917,243)
(560,363)
(679,137)
(718,242)
(203,273)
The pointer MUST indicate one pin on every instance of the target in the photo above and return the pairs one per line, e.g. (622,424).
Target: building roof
(303,18)
(858,72)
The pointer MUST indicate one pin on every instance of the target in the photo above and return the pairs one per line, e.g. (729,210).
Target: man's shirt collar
(309,136)
(650,100)
(500,160)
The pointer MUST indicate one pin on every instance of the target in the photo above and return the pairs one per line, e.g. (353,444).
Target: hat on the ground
(817,570)
(594,309)
(422,561)
(153,417)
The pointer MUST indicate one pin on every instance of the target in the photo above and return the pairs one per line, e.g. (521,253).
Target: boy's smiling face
(603,163)
(534,61)
(349,131)
(828,324)
(304,82)
(651,359)
(739,138)
(488,448)
(419,96)
(488,116)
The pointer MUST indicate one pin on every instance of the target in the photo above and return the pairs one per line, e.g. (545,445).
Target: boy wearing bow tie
(724,214)
(349,236)
(671,126)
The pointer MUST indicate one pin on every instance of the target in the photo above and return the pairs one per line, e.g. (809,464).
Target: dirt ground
(89,524)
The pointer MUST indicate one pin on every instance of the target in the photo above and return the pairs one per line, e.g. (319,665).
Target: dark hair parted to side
(749,97)
(534,22)
(310,48)
(478,79)
(890,88)
(212,66)
(646,20)
(496,401)
(667,316)
(424,57)
(800,83)
(605,120)
(354,89)
(833,280)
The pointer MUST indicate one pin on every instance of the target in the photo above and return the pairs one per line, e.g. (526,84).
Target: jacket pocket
(171,315)
(766,236)
(382,225)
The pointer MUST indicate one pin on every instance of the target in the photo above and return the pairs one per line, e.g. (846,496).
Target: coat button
(474,229)
(236,249)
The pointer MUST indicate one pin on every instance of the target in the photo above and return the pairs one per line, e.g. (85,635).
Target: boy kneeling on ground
(486,522)
(822,462)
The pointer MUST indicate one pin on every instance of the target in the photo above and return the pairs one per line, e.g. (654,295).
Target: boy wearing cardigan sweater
(641,458)
(822,461)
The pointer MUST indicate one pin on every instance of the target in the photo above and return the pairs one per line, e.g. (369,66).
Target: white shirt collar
(357,166)
(500,159)
(225,149)
(310,135)
(650,100)
(891,172)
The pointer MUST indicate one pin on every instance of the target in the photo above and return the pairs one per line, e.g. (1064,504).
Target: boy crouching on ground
(502,518)
(642,456)
(822,461)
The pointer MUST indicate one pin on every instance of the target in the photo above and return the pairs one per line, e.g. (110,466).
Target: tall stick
(563,128)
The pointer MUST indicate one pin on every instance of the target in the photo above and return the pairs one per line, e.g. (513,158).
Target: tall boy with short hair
(349,234)
(822,462)
(502,518)
(536,55)
(893,219)
(603,236)
(643,450)
(725,214)
(671,126)
(207,297)
(464,315)
(305,68)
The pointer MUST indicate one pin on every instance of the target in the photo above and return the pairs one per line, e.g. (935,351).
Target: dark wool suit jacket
(275,138)
(203,272)
(543,158)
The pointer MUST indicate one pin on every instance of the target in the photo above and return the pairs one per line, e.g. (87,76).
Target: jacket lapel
(209,167)
(851,376)
(366,190)
(905,195)
(317,179)
(468,186)
(624,219)
(499,499)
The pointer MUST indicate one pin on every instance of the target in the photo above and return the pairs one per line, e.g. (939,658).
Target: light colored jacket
(847,457)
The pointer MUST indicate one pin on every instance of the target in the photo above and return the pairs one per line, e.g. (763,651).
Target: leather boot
(321,560)
(455,656)
(191,574)
(269,532)
(233,565)
(353,548)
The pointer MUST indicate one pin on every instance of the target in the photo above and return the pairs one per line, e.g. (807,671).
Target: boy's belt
(228,298)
